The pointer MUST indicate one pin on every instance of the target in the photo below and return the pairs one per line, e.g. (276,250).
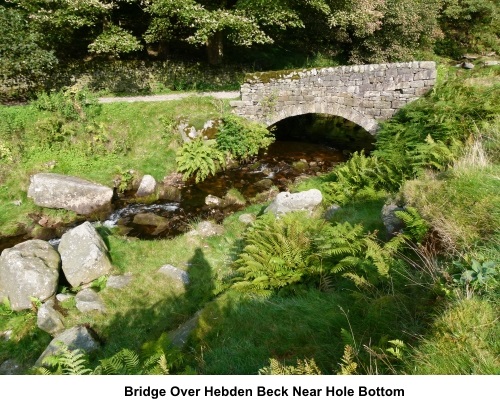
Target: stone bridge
(364,94)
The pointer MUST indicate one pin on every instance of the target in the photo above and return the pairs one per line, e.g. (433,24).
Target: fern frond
(303,367)
(67,362)
(348,366)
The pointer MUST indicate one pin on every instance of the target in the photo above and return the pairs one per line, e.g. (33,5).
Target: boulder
(61,297)
(331,211)
(84,255)
(152,220)
(234,197)
(180,278)
(468,65)
(247,218)
(50,320)
(207,228)
(88,300)
(391,222)
(179,336)
(300,166)
(78,337)
(29,269)
(213,201)
(491,62)
(287,202)
(6,334)
(10,367)
(71,193)
(147,186)
(119,282)
(263,184)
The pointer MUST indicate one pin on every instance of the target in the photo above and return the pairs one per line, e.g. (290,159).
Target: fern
(303,367)
(435,154)
(199,159)
(125,362)
(66,362)
(348,366)
(278,252)
(362,173)
(416,227)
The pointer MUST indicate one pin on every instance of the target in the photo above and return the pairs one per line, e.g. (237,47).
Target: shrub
(199,159)
(241,138)
(69,104)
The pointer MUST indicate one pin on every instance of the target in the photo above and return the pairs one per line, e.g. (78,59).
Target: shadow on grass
(145,322)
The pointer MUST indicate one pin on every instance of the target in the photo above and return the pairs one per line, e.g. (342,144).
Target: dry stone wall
(363,94)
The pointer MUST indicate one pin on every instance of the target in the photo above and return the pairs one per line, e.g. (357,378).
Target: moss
(266,77)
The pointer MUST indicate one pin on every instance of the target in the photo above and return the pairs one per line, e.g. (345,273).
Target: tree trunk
(215,50)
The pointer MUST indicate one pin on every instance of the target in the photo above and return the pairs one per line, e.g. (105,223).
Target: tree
(72,27)
(24,62)
(469,25)
(384,30)
(211,22)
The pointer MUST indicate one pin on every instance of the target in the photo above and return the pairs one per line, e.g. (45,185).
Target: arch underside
(349,113)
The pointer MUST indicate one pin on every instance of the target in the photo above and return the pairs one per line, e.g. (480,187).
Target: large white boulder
(147,186)
(288,202)
(84,255)
(29,270)
(71,193)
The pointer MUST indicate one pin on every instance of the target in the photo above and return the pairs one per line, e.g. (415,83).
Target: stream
(274,169)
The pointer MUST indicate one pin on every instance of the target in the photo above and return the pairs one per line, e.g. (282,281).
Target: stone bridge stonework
(364,94)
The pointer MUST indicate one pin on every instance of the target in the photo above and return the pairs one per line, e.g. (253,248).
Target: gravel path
(169,97)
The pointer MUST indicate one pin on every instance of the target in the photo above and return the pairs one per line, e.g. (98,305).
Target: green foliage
(242,138)
(99,283)
(429,133)
(416,227)
(125,179)
(24,62)
(348,365)
(469,26)
(279,253)
(114,41)
(66,362)
(69,104)
(125,362)
(461,206)
(243,23)
(478,277)
(360,173)
(5,152)
(463,339)
(377,31)
(199,159)
(435,155)
(303,367)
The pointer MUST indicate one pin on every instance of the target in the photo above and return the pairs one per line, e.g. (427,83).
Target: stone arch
(349,113)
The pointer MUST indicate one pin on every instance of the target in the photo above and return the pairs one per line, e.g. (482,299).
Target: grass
(445,330)
(238,335)
(444,200)
(97,149)
(463,340)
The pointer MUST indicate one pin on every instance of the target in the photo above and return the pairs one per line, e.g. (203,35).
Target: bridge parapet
(363,94)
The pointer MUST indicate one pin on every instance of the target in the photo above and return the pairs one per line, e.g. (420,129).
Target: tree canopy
(36,34)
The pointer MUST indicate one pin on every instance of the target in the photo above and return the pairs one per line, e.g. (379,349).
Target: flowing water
(276,168)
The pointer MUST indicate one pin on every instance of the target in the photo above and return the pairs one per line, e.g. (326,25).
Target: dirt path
(170,97)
